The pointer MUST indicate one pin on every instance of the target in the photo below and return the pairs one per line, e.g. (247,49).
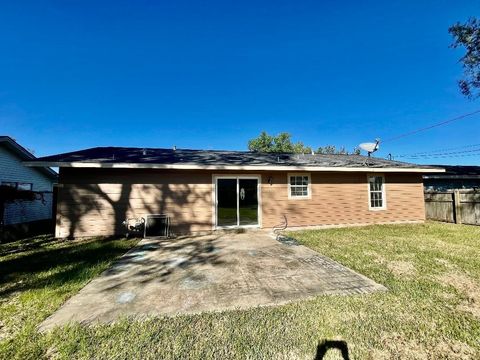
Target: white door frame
(215,202)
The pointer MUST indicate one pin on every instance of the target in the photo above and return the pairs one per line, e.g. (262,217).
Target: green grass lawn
(432,308)
(36,276)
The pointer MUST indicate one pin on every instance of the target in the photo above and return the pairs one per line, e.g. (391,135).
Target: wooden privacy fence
(457,206)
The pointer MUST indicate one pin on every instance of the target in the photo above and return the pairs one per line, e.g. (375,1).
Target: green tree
(329,149)
(282,143)
(300,148)
(263,143)
(467,35)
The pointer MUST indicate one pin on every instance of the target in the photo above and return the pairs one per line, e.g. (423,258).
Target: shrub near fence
(457,206)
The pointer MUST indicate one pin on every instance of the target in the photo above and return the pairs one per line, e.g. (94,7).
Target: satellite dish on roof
(370,147)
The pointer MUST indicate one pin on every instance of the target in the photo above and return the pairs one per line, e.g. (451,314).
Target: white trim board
(228,167)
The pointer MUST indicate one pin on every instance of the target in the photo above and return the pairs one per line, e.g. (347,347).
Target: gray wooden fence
(457,206)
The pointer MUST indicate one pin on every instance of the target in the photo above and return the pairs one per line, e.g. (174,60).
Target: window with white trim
(18,185)
(9,183)
(24,186)
(298,185)
(376,191)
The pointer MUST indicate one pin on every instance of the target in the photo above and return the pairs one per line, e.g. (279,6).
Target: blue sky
(78,74)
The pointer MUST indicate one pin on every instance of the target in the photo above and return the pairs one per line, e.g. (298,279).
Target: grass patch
(36,276)
(432,272)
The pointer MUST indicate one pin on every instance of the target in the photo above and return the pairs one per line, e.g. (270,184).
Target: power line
(448,156)
(433,152)
(432,126)
(473,152)
(445,153)
(448,153)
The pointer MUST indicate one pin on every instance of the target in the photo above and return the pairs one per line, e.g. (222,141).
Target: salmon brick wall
(96,201)
(342,198)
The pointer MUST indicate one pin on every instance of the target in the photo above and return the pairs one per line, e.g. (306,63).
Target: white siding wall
(12,169)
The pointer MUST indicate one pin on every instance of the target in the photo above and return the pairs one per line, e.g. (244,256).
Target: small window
(10,183)
(376,191)
(24,186)
(299,186)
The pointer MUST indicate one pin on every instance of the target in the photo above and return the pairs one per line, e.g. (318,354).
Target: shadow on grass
(326,345)
(27,244)
(42,263)
(70,262)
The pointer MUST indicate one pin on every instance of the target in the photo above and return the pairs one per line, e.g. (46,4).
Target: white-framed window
(24,186)
(9,183)
(299,186)
(376,192)
(18,185)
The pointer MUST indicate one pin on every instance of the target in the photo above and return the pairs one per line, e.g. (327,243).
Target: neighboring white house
(14,173)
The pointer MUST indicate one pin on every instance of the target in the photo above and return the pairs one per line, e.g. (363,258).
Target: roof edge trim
(228,167)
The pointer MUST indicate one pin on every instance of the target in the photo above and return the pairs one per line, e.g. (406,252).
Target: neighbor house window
(376,192)
(9,183)
(299,186)
(18,185)
(24,186)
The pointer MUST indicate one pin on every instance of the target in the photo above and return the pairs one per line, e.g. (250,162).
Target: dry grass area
(431,310)
(433,275)
(465,285)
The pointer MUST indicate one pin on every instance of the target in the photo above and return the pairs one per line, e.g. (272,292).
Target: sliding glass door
(236,201)
(227,202)
(248,201)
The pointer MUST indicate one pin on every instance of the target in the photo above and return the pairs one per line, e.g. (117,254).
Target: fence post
(457,206)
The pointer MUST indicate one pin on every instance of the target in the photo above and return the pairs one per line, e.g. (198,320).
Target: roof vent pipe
(144,152)
(174,147)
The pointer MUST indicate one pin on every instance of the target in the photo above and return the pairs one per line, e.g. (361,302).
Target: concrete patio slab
(208,273)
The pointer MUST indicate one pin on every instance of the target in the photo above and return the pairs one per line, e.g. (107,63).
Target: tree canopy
(467,35)
(282,143)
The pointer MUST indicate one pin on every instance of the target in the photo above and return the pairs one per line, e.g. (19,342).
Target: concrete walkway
(208,273)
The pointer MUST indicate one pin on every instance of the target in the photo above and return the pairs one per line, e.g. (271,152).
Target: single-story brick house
(203,190)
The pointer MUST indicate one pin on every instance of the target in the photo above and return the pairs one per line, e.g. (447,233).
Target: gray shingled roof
(455,172)
(128,155)
(460,170)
